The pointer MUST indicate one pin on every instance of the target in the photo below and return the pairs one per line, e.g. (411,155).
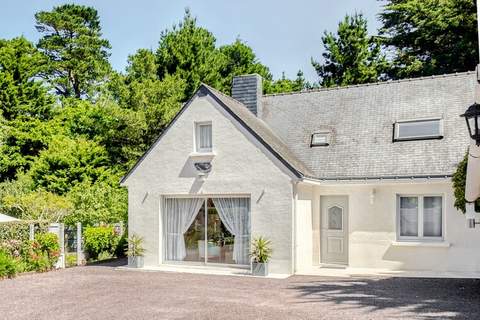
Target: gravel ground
(101,292)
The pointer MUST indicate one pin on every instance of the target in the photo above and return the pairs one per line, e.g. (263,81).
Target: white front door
(334,229)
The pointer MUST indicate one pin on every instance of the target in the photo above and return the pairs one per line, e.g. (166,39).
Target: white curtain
(235,215)
(432,216)
(179,215)
(409,216)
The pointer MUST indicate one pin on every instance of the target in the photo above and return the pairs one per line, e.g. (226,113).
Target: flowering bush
(42,253)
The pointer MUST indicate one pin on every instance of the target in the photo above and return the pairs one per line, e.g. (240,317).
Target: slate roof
(262,132)
(361,120)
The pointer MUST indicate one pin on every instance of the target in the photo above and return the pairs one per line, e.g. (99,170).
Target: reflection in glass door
(220,240)
(207,230)
(195,238)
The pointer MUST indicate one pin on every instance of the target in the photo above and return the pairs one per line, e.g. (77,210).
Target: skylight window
(422,129)
(320,139)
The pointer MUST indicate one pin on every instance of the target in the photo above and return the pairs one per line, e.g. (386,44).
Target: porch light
(203,168)
(471,117)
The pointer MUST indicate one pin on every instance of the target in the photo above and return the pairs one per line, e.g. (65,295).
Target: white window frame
(397,124)
(420,236)
(196,130)
(321,133)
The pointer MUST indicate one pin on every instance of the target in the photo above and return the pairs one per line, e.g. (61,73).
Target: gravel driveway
(101,292)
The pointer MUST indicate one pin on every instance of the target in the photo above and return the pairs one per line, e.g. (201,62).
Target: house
(358,176)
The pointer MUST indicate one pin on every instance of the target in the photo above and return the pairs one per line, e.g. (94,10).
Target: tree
(188,51)
(143,92)
(21,141)
(78,55)
(100,202)
(68,162)
(351,56)
(284,85)
(430,36)
(239,59)
(120,131)
(21,94)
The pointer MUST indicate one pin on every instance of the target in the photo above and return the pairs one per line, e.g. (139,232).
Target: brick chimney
(248,90)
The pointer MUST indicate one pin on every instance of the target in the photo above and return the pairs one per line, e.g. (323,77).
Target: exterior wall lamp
(472,185)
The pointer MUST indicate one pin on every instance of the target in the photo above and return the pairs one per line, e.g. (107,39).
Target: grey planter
(135,262)
(260,269)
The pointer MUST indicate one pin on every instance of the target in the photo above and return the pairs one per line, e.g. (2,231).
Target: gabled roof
(250,122)
(361,119)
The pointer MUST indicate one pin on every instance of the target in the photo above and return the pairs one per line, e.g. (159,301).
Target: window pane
(204,136)
(432,217)
(409,216)
(335,218)
(319,139)
(426,128)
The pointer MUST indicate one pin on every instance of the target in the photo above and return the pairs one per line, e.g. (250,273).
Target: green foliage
(100,202)
(67,162)
(78,55)
(430,36)
(21,94)
(261,250)
(135,246)
(8,265)
(100,239)
(351,56)
(48,242)
(459,180)
(14,230)
(118,130)
(71,260)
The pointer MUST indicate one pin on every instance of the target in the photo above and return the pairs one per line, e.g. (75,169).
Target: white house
(358,176)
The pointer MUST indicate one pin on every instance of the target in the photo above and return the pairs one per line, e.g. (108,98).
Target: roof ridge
(448,75)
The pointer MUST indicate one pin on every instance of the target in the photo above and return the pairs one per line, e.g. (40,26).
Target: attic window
(320,139)
(203,137)
(421,129)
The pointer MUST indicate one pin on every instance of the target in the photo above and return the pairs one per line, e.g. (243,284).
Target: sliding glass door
(207,230)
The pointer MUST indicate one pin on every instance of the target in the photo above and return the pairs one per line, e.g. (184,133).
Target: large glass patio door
(207,230)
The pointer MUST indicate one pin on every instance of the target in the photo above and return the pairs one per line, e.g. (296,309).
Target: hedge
(19,230)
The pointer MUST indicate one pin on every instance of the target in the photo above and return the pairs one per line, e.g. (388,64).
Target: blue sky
(283,34)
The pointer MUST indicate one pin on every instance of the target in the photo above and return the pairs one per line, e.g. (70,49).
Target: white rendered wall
(240,167)
(372,230)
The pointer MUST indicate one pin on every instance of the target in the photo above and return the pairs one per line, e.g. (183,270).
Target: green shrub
(71,259)
(19,230)
(8,265)
(42,253)
(100,239)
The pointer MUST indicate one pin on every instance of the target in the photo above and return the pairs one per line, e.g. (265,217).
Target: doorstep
(377,272)
(209,270)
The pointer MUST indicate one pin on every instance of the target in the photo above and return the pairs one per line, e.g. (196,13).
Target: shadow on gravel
(109,263)
(426,298)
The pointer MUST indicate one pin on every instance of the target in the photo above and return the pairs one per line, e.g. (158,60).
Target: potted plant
(135,251)
(260,254)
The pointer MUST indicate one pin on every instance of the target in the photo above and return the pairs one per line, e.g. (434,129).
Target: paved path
(101,292)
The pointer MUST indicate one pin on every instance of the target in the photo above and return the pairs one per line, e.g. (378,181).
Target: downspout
(294,225)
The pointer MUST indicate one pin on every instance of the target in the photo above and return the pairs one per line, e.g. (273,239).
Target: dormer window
(203,137)
(320,139)
(421,129)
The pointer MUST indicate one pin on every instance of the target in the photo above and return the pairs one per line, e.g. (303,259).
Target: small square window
(418,130)
(203,137)
(321,139)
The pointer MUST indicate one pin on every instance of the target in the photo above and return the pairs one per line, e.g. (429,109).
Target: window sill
(439,244)
(202,154)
